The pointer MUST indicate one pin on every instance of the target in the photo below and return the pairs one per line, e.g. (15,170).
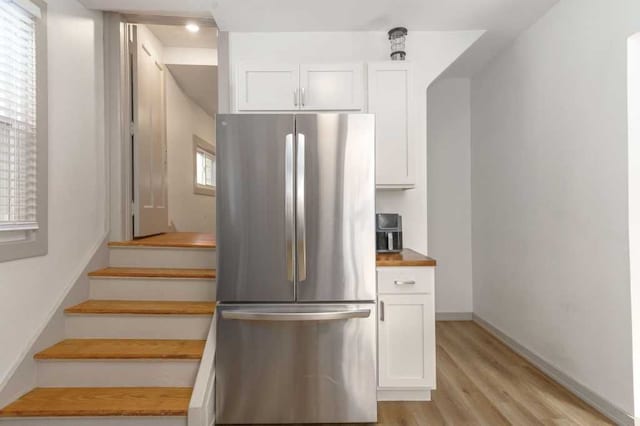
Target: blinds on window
(17,117)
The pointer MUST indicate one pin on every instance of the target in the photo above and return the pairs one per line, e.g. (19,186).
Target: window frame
(35,243)
(202,145)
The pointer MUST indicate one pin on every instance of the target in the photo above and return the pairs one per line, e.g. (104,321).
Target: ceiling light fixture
(192,28)
(397,37)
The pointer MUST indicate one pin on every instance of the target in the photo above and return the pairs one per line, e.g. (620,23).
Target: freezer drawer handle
(404,282)
(296,316)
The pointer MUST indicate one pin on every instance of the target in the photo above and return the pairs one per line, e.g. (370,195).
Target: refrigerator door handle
(289,206)
(301,233)
(296,316)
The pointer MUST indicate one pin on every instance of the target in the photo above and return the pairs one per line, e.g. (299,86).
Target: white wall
(431,52)
(633,91)
(190,56)
(187,211)
(449,192)
(549,193)
(31,289)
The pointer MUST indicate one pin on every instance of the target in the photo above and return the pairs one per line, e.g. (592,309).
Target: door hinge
(133,209)
(132,128)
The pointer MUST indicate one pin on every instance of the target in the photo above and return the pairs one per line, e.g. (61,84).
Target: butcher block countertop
(406,257)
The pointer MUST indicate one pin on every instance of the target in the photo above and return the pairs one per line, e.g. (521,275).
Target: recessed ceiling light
(192,28)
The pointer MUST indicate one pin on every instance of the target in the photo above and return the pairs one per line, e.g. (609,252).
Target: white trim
(19,226)
(202,404)
(403,394)
(454,316)
(29,7)
(608,409)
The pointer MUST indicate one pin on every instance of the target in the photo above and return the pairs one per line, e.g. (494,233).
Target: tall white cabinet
(310,87)
(406,333)
(391,97)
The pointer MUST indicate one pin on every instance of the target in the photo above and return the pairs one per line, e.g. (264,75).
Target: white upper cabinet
(390,99)
(331,87)
(323,87)
(268,87)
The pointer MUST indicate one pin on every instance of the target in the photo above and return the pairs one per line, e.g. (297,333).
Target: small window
(205,167)
(23,162)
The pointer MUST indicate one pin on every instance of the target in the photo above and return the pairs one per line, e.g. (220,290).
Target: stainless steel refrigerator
(296,340)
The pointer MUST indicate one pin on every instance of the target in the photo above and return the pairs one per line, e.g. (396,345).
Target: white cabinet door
(390,99)
(268,87)
(331,87)
(406,341)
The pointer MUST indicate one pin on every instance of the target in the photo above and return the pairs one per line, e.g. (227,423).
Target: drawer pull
(404,282)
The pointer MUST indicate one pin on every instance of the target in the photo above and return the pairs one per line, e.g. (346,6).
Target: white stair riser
(117,373)
(108,326)
(95,421)
(153,257)
(176,289)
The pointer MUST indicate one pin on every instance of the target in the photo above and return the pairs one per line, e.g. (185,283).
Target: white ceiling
(193,8)
(503,20)
(376,15)
(198,82)
(178,36)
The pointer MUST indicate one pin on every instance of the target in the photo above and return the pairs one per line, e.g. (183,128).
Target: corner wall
(549,194)
(32,289)
(449,194)
(634,205)
(188,212)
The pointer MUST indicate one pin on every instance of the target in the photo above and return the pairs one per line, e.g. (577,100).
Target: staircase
(132,351)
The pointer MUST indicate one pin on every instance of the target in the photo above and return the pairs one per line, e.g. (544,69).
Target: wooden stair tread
(171,239)
(154,273)
(123,349)
(142,307)
(98,402)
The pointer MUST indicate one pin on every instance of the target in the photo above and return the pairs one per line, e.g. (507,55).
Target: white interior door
(150,209)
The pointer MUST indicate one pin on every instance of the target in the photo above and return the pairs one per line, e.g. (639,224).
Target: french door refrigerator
(296,339)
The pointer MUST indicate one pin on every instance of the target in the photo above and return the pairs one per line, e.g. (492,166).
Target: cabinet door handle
(295,97)
(381,310)
(302,96)
(404,282)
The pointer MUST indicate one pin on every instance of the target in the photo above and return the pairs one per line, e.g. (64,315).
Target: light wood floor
(483,382)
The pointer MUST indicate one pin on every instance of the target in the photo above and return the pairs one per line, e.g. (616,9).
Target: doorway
(169,69)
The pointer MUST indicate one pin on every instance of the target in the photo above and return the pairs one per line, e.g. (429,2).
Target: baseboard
(454,316)
(404,394)
(605,407)
(22,376)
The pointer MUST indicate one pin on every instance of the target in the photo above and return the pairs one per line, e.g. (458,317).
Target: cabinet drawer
(401,280)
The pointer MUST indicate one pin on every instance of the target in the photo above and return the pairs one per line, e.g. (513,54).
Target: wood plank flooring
(483,382)
(171,239)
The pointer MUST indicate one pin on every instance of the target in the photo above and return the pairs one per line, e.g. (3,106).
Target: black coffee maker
(388,233)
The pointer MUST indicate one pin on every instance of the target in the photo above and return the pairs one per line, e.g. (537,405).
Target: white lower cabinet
(406,333)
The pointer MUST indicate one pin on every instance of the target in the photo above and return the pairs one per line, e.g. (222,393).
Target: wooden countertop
(406,257)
